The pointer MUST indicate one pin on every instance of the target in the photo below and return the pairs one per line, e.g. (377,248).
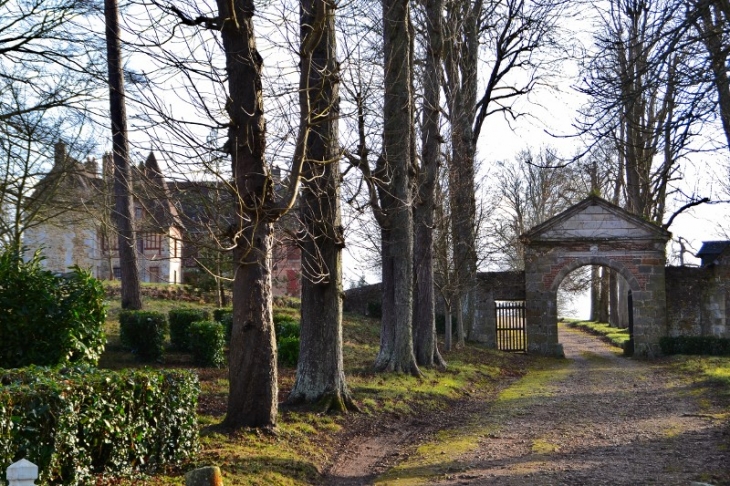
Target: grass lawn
(304,442)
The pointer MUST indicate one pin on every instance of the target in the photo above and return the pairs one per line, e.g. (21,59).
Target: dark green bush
(143,333)
(207,342)
(48,319)
(180,320)
(702,345)
(288,348)
(221,312)
(79,423)
(375,309)
(227,322)
(225,317)
(285,329)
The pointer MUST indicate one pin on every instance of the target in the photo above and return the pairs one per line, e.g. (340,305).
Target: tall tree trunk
(122,214)
(252,399)
(396,352)
(424,315)
(595,293)
(448,328)
(603,296)
(462,71)
(320,371)
(613,318)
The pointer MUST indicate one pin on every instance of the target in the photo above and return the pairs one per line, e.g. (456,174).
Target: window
(118,273)
(138,212)
(152,241)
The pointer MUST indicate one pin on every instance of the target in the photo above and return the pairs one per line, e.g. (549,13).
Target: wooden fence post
(22,473)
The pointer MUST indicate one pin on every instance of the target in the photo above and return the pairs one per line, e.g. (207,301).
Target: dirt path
(601,420)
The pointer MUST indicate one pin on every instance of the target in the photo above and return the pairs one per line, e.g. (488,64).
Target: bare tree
(122,214)
(643,99)
(511,33)
(320,372)
(396,342)
(424,322)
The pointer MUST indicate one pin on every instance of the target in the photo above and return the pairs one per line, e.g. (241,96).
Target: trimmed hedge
(207,343)
(702,345)
(79,423)
(287,339)
(143,333)
(225,317)
(180,320)
(48,319)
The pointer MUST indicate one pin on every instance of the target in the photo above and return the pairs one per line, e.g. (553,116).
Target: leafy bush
(207,342)
(288,347)
(180,320)
(143,333)
(47,319)
(698,345)
(76,423)
(225,317)
(375,309)
(220,313)
(285,327)
(287,339)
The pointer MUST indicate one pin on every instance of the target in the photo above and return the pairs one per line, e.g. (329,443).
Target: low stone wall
(357,299)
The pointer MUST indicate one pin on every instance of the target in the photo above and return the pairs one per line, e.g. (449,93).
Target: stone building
(174,223)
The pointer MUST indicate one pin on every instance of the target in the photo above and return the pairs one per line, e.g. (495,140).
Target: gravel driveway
(606,420)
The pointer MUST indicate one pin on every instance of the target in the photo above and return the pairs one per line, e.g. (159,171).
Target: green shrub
(180,320)
(207,342)
(221,312)
(225,317)
(285,327)
(227,322)
(375,309)
(143,333)
(47,319)
(288,347)
(698,345)
(78,423)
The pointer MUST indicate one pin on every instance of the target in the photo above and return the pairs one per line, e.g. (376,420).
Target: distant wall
(697,301)
(356,299)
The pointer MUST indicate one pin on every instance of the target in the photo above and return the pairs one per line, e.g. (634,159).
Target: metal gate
(511,332)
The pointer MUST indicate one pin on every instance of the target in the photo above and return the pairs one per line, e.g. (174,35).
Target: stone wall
(357,299)
(697,301)
(494,286)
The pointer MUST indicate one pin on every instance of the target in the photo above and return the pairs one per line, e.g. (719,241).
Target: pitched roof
(711,250)
(595,218)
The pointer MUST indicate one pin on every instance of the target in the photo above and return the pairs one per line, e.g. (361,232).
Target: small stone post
(22,473)
(204,476)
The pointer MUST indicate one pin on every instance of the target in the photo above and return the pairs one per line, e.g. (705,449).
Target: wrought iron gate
(511,332)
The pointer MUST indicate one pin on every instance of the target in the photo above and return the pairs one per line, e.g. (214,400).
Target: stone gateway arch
(595,232)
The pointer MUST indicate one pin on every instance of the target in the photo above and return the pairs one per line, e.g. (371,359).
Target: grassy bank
(611,335)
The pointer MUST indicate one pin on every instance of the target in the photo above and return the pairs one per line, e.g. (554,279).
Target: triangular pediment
(595,218)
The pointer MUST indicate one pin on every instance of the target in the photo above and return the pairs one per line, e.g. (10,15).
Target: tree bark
(424,315)
(122,214)
(320,376)
(396,351)
(252,400)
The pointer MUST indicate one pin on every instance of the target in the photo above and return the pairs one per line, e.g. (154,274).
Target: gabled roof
(711,250)
(595,218)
